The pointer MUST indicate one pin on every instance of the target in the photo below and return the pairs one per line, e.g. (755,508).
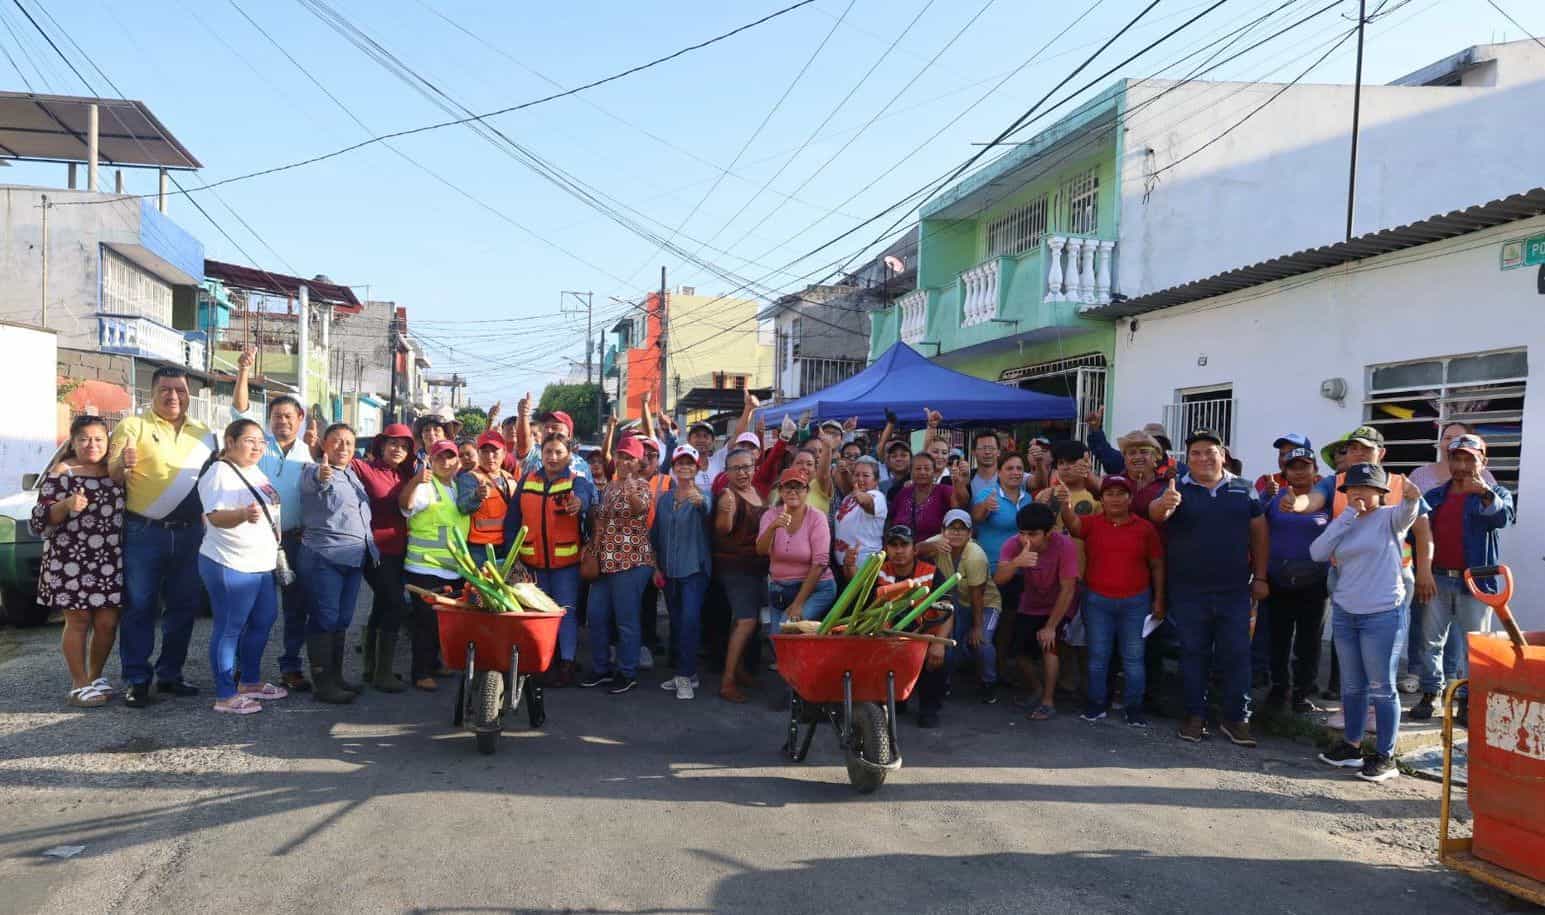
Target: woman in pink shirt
(797,540)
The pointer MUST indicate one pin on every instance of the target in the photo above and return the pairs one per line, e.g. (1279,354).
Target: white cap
(748,438)
(957,514)
(684,451)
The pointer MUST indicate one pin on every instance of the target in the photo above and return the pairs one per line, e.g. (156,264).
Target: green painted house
(1010,254)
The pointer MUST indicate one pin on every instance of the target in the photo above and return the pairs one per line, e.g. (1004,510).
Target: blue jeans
(780,594)
(684,601)
(1450,614)
(1214,629)
(296,608)
(1110,622)
(1370,646)
(619,595)
(986,653)
(331,590)
(562,585)
(159,568)
(245,605)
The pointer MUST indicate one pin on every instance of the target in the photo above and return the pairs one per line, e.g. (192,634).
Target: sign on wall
(1523,252)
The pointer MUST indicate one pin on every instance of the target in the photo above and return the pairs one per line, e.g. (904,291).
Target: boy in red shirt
(1047,564)
(901,573)
(1124,572)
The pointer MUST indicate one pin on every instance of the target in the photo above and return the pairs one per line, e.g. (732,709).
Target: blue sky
(373,218)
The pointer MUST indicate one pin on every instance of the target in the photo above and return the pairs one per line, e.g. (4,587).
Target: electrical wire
(1509,17)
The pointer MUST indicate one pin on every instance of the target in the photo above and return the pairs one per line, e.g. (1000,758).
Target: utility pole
(391,355)
(1357,100)
(589,299)
(664,337)
(43,319)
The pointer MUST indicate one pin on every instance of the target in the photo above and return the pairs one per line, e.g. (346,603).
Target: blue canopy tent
(904,382)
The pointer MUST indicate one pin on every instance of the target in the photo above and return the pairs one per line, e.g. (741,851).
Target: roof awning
(52,128)
(256,280)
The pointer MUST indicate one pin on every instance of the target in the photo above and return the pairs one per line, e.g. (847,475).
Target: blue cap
(1294,439)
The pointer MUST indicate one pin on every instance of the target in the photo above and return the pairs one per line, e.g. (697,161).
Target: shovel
(1498,601)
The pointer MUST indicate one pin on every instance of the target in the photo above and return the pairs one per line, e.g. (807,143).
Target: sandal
(730,693)
(267,692)
(427,684)
(239,705)
(1042,713)
(103,686)
(86,697)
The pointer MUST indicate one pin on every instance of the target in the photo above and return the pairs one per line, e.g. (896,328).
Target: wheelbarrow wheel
(871,744)
(487,707)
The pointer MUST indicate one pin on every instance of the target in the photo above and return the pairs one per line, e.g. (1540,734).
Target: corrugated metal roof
(52,128)
(1437,228)
(257,280)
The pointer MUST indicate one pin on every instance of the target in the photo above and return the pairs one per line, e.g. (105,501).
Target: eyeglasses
(252,442)
(739,468)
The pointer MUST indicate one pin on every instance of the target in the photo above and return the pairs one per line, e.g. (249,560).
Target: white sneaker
(683,688)
(671,683)
(645,658)
(1408,683)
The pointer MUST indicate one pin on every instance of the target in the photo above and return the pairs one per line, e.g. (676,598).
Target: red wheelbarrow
(855,682)
(1506,724)
(498,654)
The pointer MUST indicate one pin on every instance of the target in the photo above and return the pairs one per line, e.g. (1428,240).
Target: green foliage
(473,420)
(577,400)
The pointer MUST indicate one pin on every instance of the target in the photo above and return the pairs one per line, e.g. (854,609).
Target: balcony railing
(981,292)
(132,336)
(1078,269)
(913,308)
(195,350)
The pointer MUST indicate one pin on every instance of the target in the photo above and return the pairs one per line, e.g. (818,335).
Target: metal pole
(91,148)
(303,350)
(1357,100)
(664,335)
(161,192)
(43,320)
(589,331)
(391,350)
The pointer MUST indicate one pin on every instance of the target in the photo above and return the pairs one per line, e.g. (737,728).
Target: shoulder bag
(283,575)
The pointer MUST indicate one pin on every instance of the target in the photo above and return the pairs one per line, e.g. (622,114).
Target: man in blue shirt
(283,461)
(1215,568)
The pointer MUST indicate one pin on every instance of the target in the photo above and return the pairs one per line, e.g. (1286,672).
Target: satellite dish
(894,264)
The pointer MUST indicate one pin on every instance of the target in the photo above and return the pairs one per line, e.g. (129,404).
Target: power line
(1509,17)
(455,122)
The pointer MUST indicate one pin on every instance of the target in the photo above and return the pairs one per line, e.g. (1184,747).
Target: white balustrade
(979,302)
(139,336)
(1078,269)
(913,308)
(194,352)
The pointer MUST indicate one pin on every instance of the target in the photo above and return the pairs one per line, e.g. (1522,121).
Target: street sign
(1523,252)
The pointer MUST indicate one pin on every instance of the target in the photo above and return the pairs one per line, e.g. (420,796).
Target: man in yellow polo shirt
(158,456)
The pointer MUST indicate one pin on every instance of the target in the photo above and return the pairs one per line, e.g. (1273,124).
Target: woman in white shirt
(861,517)
(236,561)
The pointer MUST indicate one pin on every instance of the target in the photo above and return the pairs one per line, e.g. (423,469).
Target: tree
(577,400)
(473,420)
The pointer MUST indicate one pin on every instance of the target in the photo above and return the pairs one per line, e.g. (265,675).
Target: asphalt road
(643,803)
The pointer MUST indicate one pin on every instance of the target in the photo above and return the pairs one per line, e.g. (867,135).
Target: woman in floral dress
(79,515)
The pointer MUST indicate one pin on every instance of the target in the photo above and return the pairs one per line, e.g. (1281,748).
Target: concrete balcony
(135,336)
(913,308)
(1078,269)
(982,291)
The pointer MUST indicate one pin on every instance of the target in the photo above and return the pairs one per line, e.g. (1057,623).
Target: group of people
(1078,562)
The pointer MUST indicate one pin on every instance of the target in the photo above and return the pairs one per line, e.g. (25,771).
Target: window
(1411,402)
(796,334)
(816,374)
(1210,408)
(1080,377)
(128,289)
(1019,230)
(1080,203)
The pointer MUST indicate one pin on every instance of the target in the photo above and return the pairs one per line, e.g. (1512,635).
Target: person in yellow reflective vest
(429,502)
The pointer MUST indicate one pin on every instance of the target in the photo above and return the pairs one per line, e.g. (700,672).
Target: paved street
(641,803)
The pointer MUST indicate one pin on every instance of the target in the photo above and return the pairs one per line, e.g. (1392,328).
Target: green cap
(1329,451)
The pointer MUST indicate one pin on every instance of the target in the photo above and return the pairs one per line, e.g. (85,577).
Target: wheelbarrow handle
(920,637)
(1498,601)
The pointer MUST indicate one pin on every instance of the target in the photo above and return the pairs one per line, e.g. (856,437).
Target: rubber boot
(384,679)
(319,650)
(368,653)
(339,638)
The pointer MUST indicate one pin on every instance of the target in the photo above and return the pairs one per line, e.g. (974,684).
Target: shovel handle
(1498,601)
(920,637)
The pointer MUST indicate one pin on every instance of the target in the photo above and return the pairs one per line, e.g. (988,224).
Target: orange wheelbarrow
(497,654)
(855,682)
(1506,722)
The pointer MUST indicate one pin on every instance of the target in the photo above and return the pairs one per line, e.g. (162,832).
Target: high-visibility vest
(659,484)
(1397,484)
(488,521)
(552,536)
(429,531)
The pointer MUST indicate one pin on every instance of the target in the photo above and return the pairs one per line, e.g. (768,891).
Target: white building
(1401,329)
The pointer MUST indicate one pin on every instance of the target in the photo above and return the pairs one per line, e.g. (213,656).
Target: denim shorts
(746,593)
(780,594)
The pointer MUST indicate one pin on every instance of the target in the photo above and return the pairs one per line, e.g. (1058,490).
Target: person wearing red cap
(796,538)
(383,475)
(683,552)
(626,561)
(739,571)
(429,501)
(493,491)
(1124,575)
